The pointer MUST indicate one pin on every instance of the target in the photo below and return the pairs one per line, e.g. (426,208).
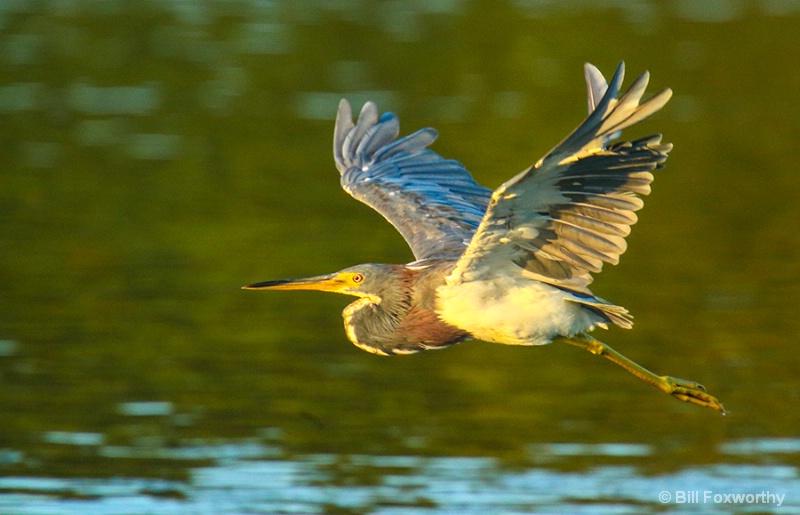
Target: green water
(156,156)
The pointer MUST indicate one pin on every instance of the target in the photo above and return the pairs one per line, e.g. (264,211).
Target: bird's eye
(357,278)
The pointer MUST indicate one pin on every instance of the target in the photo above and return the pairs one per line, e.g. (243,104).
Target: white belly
(513,311)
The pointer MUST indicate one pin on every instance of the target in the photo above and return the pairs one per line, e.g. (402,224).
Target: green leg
(688,391)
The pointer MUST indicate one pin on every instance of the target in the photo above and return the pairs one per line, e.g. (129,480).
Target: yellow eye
(357,278)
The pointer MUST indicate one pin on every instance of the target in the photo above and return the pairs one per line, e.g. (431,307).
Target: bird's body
(511,266)
(515,310)
(422,311)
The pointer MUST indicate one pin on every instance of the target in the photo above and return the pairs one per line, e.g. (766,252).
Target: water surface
(155,156)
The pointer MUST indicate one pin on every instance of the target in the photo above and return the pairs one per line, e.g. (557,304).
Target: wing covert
(565,216)
(433,202)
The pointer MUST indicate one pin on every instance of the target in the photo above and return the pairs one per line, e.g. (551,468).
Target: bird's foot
(690,391)
(687,391)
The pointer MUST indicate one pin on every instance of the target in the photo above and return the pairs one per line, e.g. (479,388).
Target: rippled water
(251,477)
(155,156)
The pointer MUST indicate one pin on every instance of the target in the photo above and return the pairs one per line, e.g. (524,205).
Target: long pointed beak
(328,282)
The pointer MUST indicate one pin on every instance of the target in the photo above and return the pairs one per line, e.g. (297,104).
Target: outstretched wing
(565,216)
(433,202)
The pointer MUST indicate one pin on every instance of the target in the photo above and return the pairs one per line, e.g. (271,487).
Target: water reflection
(155,156)
(240,480)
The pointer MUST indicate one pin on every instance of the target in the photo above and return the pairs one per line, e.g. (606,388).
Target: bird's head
(368,280)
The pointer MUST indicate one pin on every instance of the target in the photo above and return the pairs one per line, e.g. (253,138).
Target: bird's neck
(372,321)
(401,320)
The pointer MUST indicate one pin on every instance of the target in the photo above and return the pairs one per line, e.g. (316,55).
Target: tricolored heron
(511,266)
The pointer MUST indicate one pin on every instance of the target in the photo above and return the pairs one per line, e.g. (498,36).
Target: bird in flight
(511,266)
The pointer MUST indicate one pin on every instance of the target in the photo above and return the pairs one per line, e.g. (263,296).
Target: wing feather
(433,202)
(595,85)
(560,220)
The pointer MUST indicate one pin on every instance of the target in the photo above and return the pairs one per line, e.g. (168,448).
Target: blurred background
(157,155)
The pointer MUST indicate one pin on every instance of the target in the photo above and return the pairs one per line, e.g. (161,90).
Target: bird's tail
(608,312)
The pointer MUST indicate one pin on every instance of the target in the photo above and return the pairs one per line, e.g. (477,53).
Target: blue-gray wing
(433,202)
(565,216)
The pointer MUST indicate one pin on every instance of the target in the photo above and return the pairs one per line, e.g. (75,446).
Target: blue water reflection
(242,481)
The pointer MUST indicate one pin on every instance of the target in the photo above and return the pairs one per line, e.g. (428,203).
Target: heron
(510,266)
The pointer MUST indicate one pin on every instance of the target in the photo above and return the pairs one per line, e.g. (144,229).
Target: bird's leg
(682,389)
